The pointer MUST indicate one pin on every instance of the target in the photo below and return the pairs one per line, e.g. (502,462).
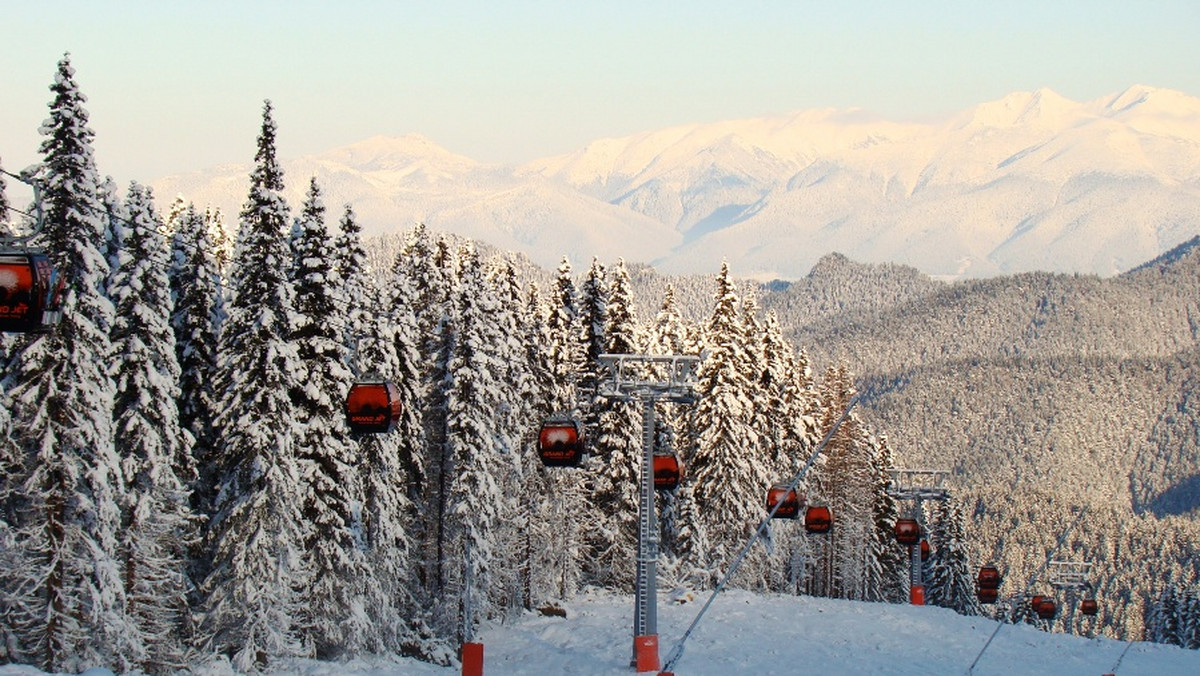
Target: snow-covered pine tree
(566,354)
(118,215)
(786,387)
(1162,622)
(517,429)
(391,469)
(666,336)
(509,316)
(480,468)
(548,548)
(888,570)
(593,308)
(952,583)
(593,302)
(356,289)
(618,439)
(846,480)
(728,477)
(564,359)
(71,611)
(1189,624)
(222,246)
(159,527)
(440,276)
(335,622)
(787,431)
(195,282)
(257,534)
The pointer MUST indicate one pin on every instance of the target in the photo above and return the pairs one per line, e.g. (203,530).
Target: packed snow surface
(745,633)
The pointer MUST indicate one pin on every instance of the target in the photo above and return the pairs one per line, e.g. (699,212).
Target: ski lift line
(1120,658)
(677,651)
(1058,545)
(37,217)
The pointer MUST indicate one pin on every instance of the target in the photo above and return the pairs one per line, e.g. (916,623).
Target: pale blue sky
(176,86)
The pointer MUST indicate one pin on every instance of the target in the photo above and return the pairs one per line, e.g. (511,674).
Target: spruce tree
(888,572)
(549,548)
(566,355)
(478,486)
(564,359)
(728,477)
(159,527)
(391,472)
(257,534)
(195,282)
(71,610)
(437,349)
(845,480)
(952,583)
(618,437)
(669,335)
(330,490)
(593,341)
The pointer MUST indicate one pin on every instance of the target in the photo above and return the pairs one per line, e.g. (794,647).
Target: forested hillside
(1044,395)
(184,483)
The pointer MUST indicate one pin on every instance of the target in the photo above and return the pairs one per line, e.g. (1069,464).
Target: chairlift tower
(647,379)
(918,485)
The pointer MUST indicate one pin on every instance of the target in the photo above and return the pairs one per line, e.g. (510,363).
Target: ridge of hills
(1032,181)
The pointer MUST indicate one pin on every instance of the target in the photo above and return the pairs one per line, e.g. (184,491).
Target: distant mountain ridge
(1032,181)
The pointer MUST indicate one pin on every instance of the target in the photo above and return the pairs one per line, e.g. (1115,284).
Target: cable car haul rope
(677,651)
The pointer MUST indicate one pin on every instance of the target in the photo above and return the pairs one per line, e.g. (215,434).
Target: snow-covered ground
(745,633)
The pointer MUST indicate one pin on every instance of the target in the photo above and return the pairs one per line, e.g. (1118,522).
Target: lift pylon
(647,379)
(918,485)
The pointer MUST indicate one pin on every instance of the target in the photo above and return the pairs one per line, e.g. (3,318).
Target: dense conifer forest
(180,484)
(1045,395)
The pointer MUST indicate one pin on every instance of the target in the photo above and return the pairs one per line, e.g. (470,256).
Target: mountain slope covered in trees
(1045,395)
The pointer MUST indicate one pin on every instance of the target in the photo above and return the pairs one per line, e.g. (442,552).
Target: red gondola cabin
(561,442)
(987,594)
(373,407)
(30,292)
(1044,606)
(1089,607)
(818,519)
(989,578)
(926,550)
(789,502)
(908,531)
(667,471)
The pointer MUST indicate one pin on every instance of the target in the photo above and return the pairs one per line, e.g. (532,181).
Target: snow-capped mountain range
(1033,181)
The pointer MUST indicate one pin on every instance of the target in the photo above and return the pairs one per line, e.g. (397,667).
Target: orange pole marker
(646,650)
(472,659)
